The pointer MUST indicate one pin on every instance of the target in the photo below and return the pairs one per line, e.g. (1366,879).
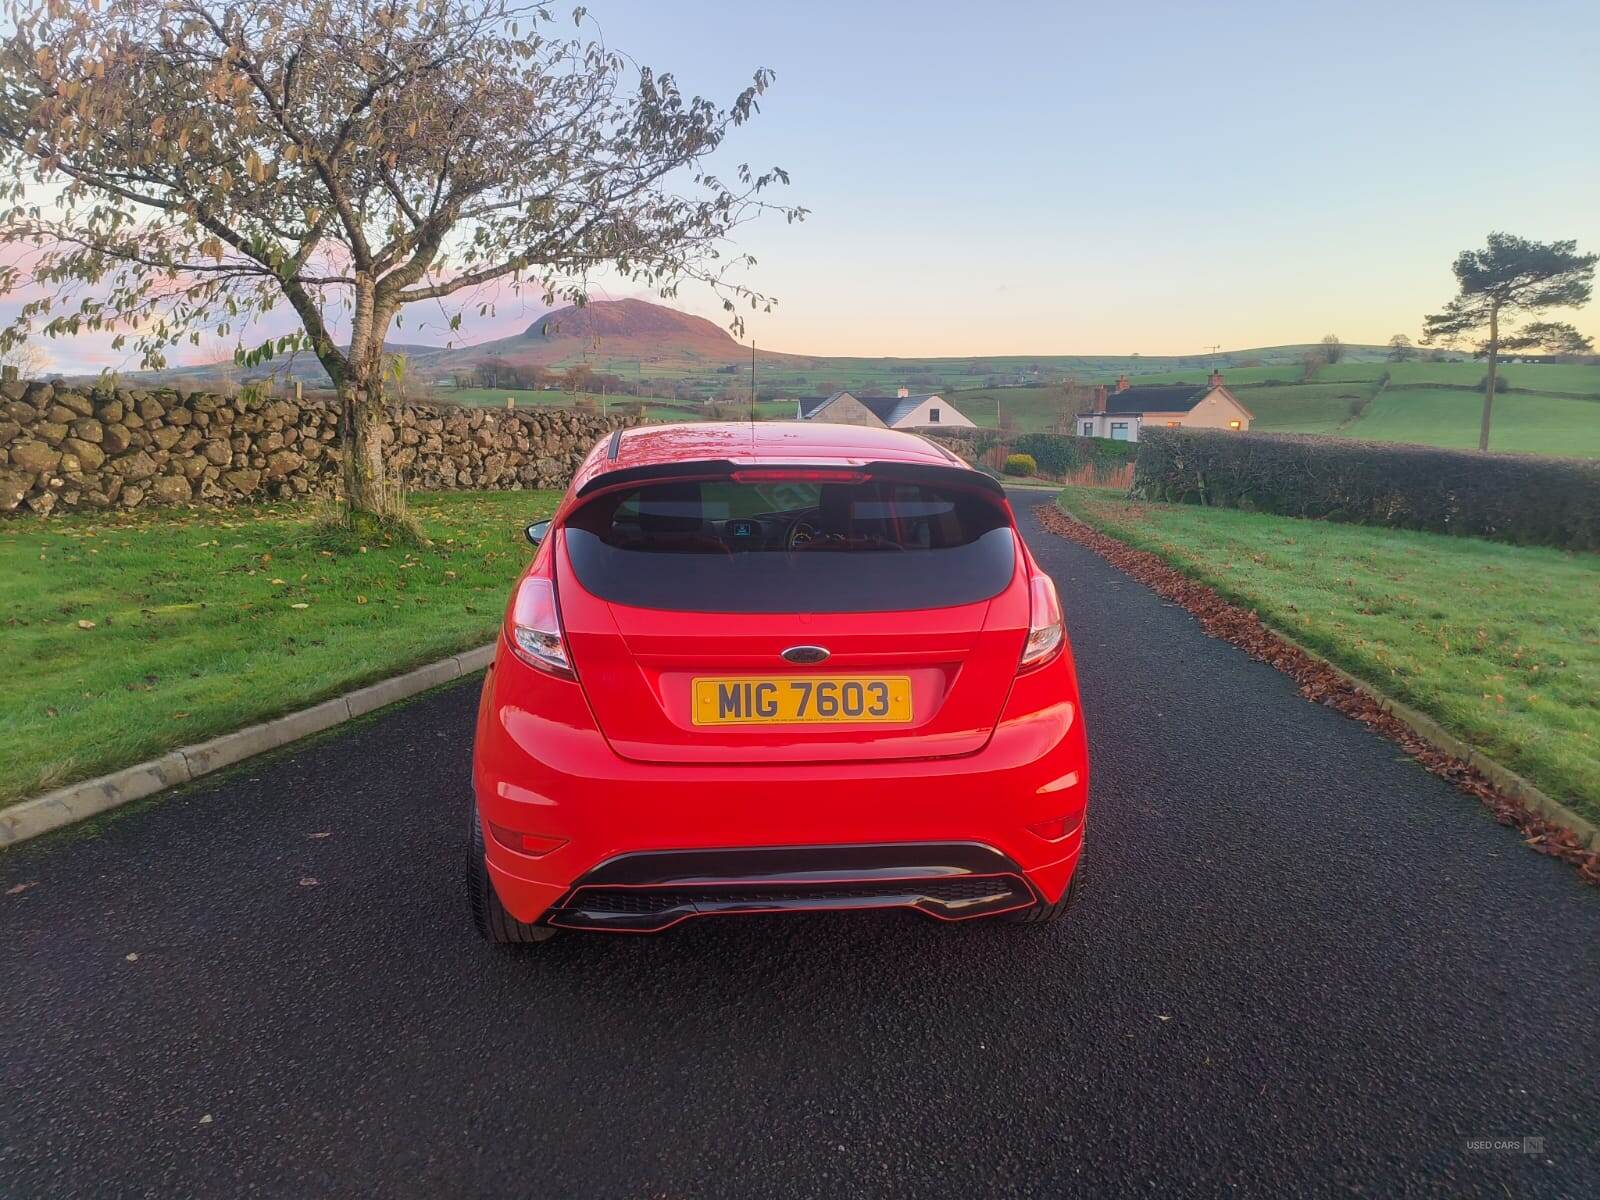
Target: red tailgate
(636,666)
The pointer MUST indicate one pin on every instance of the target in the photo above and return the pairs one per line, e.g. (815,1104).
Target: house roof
(1180,397)
(888,409)
(891,409)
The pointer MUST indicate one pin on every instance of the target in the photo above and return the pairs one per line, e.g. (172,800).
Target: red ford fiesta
(776,667)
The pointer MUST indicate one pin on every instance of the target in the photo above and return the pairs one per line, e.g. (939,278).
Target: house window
(1119,431)
(933,416)
(1233,425)
(1088,429)
(1173,424)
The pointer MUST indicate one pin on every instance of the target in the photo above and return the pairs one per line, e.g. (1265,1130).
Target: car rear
(755,681)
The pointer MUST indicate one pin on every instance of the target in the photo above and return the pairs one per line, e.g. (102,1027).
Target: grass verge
(131,633)
(1499,644)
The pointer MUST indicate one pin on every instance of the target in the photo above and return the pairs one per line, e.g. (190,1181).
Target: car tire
(489,917)
(1044,914)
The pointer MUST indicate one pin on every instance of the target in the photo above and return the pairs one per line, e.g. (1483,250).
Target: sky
(1160,178)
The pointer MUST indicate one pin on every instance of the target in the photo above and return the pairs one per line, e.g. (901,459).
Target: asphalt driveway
(1300,965)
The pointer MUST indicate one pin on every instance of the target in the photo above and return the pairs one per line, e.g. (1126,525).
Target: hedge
(1058,453)
(1512,497)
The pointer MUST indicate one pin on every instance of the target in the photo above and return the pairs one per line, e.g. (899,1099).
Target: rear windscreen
(792,546)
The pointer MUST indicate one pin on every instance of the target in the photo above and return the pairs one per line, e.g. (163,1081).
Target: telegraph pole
(752,379)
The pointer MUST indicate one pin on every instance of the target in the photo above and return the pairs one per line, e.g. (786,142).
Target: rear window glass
(792,546)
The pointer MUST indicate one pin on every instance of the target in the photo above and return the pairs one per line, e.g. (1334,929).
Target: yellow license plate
(802,700)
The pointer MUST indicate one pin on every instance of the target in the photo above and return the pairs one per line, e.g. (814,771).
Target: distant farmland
(1551,409)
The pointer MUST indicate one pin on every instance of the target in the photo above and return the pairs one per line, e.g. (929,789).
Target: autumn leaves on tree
(177,169)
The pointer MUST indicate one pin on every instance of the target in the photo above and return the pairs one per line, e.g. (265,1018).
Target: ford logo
(805,654)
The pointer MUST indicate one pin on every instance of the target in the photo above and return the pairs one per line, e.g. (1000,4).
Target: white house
(900,411)
(1119,413)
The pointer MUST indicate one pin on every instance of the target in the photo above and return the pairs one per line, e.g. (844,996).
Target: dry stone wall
(63,447)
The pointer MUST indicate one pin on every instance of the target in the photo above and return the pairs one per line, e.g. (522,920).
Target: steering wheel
(801,533)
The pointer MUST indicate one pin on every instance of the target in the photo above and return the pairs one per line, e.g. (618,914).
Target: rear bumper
(542,767)
(646,892)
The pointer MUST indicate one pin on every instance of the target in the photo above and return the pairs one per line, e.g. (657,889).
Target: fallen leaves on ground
(1320,683)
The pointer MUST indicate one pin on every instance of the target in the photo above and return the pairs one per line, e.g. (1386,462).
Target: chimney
(1100,398)
(1216,378)
(1122,383)
(902,393)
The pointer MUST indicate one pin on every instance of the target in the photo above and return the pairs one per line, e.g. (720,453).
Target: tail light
(1046,631)
(535,628)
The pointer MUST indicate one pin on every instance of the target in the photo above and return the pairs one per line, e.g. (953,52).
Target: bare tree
(1401,349)
(1332,348)
(348,158)
(22,360)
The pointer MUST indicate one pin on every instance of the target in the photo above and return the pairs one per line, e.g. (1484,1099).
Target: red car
(776,667)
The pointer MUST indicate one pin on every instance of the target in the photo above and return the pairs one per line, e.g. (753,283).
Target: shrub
(1501,387)
(1021,464)
(1058,453)
(1511,497)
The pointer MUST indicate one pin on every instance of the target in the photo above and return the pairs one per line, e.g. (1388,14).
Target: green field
(1305,407)
(1545,415)
(798,375)
(1029,410)
(1499,643)
(1523,422)
(526,398)
(1541,377)
(157,629)
(1550,417)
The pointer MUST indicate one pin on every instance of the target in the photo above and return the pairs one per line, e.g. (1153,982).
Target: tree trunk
(367,487)
(1494,363)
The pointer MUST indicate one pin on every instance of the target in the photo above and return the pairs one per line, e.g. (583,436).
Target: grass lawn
(203,622)
(1523,422)
(1500,644)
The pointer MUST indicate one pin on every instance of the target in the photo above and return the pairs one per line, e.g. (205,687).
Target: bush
(1501,387)
(1511,497)
(1021,464)
(1058,453)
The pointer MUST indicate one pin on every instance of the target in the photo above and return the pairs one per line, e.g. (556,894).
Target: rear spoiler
(717,468)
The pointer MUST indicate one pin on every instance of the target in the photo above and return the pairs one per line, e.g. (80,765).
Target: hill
(676,361)
(608,335)
(671,352)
